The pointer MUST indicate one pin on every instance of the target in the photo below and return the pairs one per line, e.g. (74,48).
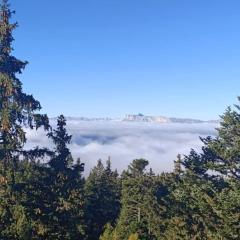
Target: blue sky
(113,57)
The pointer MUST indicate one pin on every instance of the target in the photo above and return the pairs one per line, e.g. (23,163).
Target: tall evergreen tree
(206,195)
(138,201)
(17,110)
(66,217)
(224,151)
(102,192)
(16,107)
(61,157)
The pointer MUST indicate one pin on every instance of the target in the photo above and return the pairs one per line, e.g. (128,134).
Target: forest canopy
(199,199)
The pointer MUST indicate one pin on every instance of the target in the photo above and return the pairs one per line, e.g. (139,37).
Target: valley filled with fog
(124,141)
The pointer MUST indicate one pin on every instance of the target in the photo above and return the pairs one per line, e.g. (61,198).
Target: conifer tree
(102,192)
(224,151)
(138,201)
(52,194)
(66,216)
(16,107)
(17,110)
(61,157)
(209,179)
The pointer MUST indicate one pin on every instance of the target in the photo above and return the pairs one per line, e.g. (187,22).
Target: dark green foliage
(44,202)
(140,202)
(61,158)
(225,149)
(63,210)
(102,192)
(207,193)
(199,200)
(14,201)
(16,107)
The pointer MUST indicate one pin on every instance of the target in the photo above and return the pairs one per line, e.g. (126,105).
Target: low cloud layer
(123,142)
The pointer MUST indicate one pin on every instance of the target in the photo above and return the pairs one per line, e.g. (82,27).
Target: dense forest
(43,194)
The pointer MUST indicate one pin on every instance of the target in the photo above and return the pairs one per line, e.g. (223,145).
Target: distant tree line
(52,200)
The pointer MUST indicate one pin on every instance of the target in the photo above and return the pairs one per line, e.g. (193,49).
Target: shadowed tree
(102,192)
(65,216)
(16,107)
(17,110)
(137,200)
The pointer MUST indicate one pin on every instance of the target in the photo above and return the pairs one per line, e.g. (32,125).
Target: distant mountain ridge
(141,118)
(161,119)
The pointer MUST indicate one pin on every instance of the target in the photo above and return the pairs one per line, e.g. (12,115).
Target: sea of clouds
(125,141)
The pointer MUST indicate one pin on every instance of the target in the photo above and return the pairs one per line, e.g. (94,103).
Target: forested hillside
(43,194)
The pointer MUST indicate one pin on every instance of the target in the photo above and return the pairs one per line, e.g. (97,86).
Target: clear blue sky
(112,57)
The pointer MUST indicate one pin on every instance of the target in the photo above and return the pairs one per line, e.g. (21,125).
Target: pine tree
(66,217)
(62,158)
(224,151)
(138,201)
(102,199)
(52,194)
(192,214)
(16,107)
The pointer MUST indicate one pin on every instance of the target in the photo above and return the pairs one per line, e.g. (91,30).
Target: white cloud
(159,143)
